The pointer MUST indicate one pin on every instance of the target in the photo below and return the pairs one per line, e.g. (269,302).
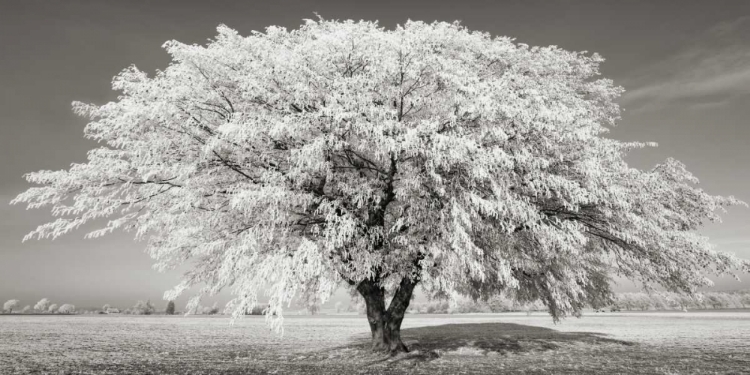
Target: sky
(684,65)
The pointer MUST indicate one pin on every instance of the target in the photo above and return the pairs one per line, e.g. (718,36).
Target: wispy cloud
(713,69)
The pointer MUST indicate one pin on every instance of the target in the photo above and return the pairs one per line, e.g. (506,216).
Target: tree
(344,153)
(67,309)
(106,307)
(313,308)
(745,298)
(11,304)
(26,309)
(42,305)
(213,310)
(52,308)
(143,308)
(170,308)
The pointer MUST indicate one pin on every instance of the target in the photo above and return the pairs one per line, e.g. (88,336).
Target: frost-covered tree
(42,305)
(11,304)
(26,309)
(52,308)
(143,308)
(345,153)
(67,309)
(106,307)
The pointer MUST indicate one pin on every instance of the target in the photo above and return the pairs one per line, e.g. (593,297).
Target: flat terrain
(598,343)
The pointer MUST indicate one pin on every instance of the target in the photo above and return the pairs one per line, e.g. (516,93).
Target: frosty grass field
(599,343)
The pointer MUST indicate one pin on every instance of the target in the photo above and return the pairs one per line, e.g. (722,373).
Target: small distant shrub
(52,308)
(170,308)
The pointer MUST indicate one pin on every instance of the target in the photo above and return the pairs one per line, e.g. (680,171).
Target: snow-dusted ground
(644,343)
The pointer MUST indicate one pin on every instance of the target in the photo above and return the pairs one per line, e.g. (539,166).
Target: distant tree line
(675,301)
(464,305)
(637,301)
(44,306)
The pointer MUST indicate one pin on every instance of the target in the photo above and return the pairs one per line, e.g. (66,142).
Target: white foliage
(43,304)
(293,160)
(67,309)
(11,304)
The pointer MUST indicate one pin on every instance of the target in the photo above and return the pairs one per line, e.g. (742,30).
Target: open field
(608,343)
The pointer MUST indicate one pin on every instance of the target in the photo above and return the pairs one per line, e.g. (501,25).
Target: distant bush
(357,305)
(52,308)
(26,309)
(67,309)
(213,310)
(11,304)
(170,308)
(142,308)
(112,310)
(42,305)
(313,308)
(256,310)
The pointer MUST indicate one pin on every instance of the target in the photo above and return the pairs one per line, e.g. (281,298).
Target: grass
(624,343)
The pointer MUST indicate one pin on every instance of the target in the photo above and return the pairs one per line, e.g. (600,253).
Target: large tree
(344,153)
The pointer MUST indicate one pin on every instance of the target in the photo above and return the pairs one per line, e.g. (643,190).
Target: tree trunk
(385,324)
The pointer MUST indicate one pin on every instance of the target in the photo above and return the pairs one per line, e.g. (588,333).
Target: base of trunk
(388,341)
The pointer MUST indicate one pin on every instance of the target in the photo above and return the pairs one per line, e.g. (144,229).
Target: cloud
(713,69)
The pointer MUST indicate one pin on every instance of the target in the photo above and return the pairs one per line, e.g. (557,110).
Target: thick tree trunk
(385,324)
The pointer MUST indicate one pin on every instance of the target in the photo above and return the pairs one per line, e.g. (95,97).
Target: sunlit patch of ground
(635,343)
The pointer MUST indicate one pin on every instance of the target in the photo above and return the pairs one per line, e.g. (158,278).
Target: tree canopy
(10,304)
(43,304)
(294,161)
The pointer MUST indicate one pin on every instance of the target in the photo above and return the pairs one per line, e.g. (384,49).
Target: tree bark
(385,324)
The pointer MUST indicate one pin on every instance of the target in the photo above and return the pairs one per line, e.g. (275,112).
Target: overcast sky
(683,63)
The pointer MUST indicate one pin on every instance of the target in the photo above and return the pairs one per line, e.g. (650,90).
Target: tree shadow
(477,339)
(501,338)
